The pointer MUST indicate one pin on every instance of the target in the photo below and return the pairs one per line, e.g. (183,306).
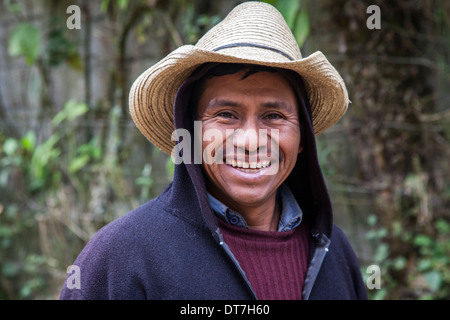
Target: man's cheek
(212,146)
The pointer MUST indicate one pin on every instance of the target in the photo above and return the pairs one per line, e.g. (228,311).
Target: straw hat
(255,33)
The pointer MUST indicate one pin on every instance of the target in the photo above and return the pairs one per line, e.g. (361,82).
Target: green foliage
(296,15)
(71,111)
(86,152)
(195,25)
(40,171)
(60,49)
(32,169)
(20,269)
(43,183)
(145,181)
(25,40)
(58,186)
(122,4)
(434,261)
(426,261)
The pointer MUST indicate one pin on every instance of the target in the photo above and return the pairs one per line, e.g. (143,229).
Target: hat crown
(255,33)
(257,26)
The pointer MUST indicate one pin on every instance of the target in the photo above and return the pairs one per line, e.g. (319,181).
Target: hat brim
(153,93)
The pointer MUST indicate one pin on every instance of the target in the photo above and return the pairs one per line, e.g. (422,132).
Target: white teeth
(246,165)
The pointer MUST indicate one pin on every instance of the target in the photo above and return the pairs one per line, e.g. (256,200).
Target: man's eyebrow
(278,104)
(222,103)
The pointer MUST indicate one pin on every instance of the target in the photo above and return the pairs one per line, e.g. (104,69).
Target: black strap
(244,44)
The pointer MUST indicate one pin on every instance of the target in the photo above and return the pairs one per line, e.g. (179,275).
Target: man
(247,215)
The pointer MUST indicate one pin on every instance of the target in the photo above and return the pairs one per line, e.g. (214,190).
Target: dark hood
(305,181)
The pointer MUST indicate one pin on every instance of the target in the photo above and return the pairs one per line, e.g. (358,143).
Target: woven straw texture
(253,32)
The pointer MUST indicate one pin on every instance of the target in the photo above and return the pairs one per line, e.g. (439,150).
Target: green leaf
(92,148)
(382,252)
(42,156)
(122,4)
(423,241)
(78,163)
(74,110)
(60,116)
(272,2)
(10,146)
(28,141)
(25,40)
(170,166)
(71,111)
(301,30)
(434,280)
(288,9)
(60,49)
(104,5)
(10,269)
(442,226)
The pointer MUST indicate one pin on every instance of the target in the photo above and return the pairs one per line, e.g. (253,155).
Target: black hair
(223,69)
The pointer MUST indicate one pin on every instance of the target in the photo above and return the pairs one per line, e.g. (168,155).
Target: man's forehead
(264,90)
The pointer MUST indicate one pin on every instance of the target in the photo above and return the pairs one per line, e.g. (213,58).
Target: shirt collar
(290,217)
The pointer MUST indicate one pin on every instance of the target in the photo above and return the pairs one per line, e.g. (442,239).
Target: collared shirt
(290,217)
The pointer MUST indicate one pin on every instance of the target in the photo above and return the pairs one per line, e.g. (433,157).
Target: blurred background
(71,159)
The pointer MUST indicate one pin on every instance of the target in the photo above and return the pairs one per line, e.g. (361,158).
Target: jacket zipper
(227,249)
(321,243)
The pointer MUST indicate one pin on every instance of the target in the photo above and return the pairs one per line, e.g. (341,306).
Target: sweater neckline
(257,235)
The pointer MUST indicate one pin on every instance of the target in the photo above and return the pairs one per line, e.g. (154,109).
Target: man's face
(262,101)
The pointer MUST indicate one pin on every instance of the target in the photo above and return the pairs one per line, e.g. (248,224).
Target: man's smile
(248,165)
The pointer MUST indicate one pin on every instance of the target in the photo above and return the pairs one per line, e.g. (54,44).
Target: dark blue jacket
(172,248)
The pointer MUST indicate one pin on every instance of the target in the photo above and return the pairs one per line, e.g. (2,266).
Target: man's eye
(227,115)
(274,116)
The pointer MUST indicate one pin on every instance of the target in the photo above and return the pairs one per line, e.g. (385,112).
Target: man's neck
(263,218)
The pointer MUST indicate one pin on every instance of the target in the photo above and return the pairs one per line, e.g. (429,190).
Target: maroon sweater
(275,262)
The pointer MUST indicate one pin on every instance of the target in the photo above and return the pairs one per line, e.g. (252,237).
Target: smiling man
(263,101)
(252,219)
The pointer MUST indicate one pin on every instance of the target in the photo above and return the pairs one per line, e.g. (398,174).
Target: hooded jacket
(172,248)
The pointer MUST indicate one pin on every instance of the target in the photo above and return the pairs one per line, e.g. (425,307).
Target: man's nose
(247,136)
